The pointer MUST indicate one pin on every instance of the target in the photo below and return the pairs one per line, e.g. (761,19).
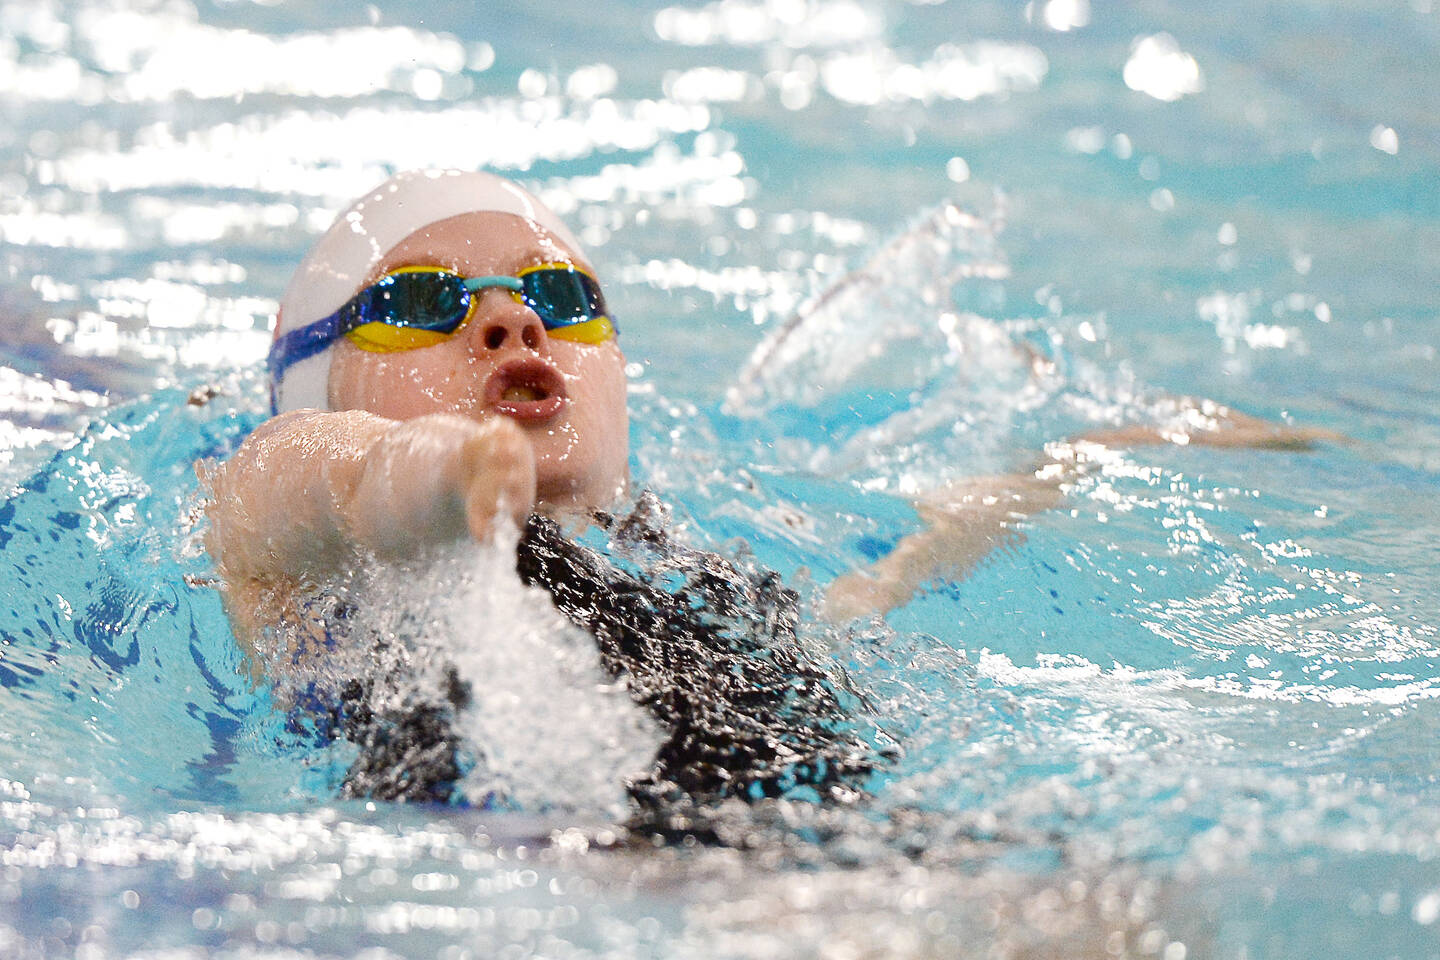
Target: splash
(913,380)
(452,653)
(884,325)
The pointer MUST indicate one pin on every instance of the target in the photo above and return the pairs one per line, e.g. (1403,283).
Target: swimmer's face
(568,397)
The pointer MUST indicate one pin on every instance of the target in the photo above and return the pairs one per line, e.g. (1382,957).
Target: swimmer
(443,357)
(444,362)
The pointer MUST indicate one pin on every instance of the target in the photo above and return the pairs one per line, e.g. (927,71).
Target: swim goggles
(415,307)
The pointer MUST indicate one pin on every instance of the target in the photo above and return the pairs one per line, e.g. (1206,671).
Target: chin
(579,490)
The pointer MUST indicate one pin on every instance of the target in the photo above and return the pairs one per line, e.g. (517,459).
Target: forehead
(478,244)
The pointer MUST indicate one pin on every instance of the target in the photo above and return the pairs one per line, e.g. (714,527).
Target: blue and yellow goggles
(415,307)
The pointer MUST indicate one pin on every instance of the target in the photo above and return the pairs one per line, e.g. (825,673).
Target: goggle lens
(429,300)
(420,306)
(407,310)
(560,295)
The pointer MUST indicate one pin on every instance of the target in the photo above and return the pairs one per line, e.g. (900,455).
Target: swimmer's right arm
(309,492)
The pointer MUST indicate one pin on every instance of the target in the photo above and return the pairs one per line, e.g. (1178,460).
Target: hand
(437,478)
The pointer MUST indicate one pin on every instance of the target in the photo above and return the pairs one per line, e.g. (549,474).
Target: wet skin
(424,446)
(568,398)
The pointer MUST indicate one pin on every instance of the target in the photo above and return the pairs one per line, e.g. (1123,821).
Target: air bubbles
(156,55)
(797,88)
(591,82)
(324,155)
(724,192)
(957,169)
(427,84)
(481,57)
(969,72)
(795,24)
(709,85)
(1427,909)
(44,143)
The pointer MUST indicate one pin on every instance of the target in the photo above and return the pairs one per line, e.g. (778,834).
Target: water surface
(1190,713)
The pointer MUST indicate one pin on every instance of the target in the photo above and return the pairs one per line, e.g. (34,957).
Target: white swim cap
(339,263)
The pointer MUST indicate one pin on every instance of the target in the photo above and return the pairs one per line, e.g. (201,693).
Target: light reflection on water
(156,51)
(1190,715)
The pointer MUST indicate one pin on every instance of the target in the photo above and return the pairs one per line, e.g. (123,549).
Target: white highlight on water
(1159,68)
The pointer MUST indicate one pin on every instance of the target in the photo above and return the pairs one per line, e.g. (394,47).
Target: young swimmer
(442,357)
(444,360)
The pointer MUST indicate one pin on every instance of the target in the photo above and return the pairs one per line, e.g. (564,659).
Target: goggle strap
(475,284)
(304,343)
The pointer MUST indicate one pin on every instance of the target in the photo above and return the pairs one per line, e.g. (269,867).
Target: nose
(501,323)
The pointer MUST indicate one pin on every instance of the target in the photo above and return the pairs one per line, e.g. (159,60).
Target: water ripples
(1188,713)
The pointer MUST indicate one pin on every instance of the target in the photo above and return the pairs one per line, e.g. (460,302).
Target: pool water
(859,249)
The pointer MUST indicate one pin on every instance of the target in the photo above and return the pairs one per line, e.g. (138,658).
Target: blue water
(1189,713)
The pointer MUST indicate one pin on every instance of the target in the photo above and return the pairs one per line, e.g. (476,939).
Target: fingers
(438,478)
(1242,431)
(1247,431)
(500,467)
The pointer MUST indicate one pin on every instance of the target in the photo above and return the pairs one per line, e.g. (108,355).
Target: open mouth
(526,390)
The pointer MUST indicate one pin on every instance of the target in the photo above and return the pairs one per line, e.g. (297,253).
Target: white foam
(550,728)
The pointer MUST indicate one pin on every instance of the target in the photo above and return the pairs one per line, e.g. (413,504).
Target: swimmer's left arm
(964,522)
(967,520)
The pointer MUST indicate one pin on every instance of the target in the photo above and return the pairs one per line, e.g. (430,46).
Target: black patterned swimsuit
(750,712)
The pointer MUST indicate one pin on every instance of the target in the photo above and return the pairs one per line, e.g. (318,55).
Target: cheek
(400,386)
(599,387)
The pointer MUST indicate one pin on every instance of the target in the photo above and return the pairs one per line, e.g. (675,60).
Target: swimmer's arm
(309,492)
(965,521)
